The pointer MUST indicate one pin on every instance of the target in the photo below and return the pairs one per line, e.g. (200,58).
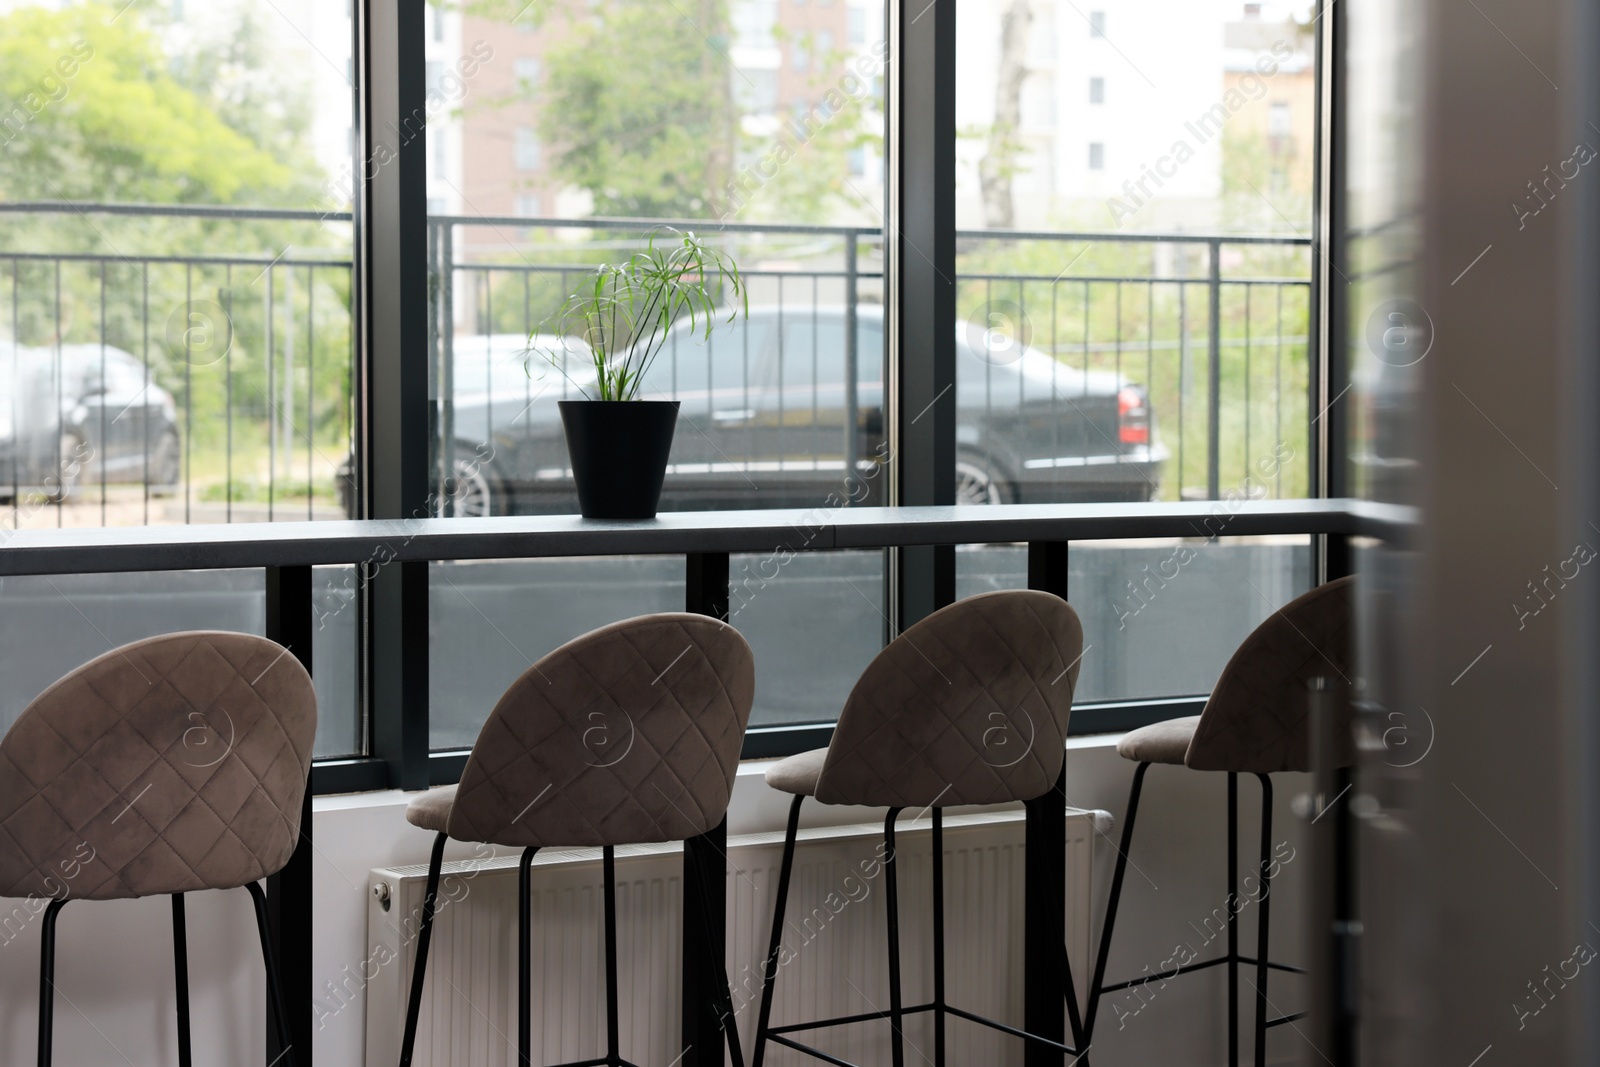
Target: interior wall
(114,968)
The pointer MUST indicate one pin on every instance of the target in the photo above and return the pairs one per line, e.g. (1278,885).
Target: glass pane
(1139,602)
(1134,199)
(571,135)
(175,344)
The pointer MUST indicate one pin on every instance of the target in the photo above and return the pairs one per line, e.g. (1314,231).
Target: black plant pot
(619,454)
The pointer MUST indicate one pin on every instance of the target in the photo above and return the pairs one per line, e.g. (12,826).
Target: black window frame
(393,417)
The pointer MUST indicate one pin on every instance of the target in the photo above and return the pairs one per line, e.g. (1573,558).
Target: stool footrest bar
(1012,1030)
(843,1020)
(1287,1018)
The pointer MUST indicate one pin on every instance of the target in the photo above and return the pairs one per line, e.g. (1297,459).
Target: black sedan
(763,421)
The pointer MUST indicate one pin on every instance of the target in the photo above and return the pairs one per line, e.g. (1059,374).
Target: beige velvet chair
(968,706)
(164,767)
(1255,722)
(627,735)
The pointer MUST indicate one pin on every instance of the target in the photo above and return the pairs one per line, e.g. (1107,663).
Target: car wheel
(64,481)
(166,465)
(977,482)
(474,492)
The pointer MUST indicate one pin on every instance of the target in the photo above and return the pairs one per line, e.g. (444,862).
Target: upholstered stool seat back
(627,735)
(968,706)
(172,764)
(1257,718)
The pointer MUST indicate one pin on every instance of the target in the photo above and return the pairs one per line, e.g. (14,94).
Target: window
(210,358)
(527,148)
(527,70)
(764,404)
(1085,370)
(1280,119)
(858,27)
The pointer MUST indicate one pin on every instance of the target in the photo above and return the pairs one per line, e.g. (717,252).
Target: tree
(999,163)
(638,107)
(93,110)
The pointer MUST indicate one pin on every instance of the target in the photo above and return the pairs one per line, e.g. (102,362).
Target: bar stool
(916,732)
(164,767)
(680,686)
(1255,722)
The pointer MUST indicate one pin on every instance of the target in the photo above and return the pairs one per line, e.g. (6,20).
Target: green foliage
(102,108)
(625,314)
(637,105)
(1063,298)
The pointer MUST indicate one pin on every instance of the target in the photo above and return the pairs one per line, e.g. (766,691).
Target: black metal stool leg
(1233,919)
(775,943)
(280,1017)
(420,969)
(47,980)
(891,890)
(525,958)
(1265,872)
(613,1042)
(938,937)
(1111,905)
(180,969)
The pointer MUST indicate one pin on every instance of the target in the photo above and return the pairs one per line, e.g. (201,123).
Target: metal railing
(242,363)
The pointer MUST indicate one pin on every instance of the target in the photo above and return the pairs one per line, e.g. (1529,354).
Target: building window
(1097,90)
(528,206)
(438,24)
(436,205)
(858,162)
(1279,119)
(858,27)
(1097,24)
(527,148)
(800,56)
(527,70)
(1097,156)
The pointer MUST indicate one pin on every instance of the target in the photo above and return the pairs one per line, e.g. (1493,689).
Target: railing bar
(1249,293)
(1183,372)
(242,261)
(1150,360)
(527,375)
(145,275)
(1277,389)
(1265,279)
(16,350)
(816,420)
(83,207)
(272,414)
(227,388)
(311,386)
(105,392)
(1055,378)
(1086,442)
(188,393)
(1120,456)
(488,364)
(61,426)
(782,436)
(988,364)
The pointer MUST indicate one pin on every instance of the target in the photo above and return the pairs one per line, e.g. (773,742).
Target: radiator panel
(835,940)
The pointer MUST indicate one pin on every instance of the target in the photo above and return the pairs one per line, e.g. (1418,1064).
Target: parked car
(764,413)
(74,414)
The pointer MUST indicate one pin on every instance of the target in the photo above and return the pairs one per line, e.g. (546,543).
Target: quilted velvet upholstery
(798,774)
(1160,742)
(969,706)
(173,764)
(1256,719)
(627,735)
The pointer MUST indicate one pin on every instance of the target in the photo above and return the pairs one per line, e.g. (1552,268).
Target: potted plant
(624,314)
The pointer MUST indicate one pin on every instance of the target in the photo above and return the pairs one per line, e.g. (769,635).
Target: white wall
(114,966)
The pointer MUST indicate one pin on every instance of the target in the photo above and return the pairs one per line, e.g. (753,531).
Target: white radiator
(835,929)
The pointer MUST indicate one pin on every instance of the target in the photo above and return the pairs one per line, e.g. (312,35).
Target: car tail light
(1133,417)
